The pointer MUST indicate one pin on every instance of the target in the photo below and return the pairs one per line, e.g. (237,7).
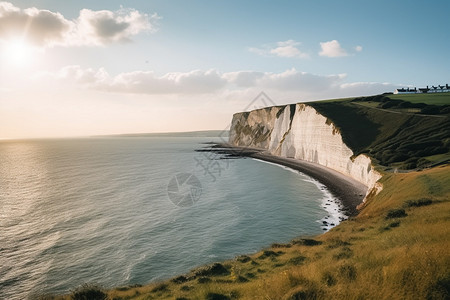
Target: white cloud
(288,49)
(104,27)
(143,82)
(44,28)
(358,48)
(292,83)
(332,49)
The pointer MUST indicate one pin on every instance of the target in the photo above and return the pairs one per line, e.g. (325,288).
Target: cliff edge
(299,131)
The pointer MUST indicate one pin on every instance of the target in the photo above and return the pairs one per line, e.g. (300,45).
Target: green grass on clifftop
(435,98)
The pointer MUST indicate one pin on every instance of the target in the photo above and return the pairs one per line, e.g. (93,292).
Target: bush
(160,288)
(336,243)
(344,254)
(215,296)
(394,224)
(405,104)
(298,260)
(306,242)
(328,279)
(241,279)
(215,269)
(243,258)
(423,162)
(305,294)
(278,245)
(430,110)
(348,272)
(268,253)
(179,279)
(391,103)
(418,203)
(445,109)
(396,213)
(88,292)
(204,280)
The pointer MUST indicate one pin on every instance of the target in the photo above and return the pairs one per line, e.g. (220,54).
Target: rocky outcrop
(299,131)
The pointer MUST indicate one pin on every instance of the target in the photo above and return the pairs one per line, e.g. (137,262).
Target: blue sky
(98,67)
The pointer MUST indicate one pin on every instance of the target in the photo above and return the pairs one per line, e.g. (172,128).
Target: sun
(17,53)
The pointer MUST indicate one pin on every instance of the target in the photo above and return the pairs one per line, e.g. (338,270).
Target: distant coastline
(200,133)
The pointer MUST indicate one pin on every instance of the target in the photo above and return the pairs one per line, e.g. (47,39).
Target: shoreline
(330,203)
(347,190)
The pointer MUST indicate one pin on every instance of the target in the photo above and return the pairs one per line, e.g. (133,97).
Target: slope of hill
(392,136)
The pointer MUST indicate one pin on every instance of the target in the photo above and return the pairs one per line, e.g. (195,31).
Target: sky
(82,68)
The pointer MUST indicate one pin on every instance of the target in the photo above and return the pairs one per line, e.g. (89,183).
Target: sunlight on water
(97,210)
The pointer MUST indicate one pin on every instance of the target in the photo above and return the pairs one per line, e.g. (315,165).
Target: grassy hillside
(392,136)
(436,98)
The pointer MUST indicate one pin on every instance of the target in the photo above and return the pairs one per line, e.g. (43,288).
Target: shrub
(243,258)
(394,224)
(328,279)
(306,242)
(186,288)
(298,260)
(336,243)
(215,296)
(440,290)
(180,279)
(430,110)
(268,253)
(346,252)
(390,103)
(278,245)
(88,292)
(305,294)
(241,279)
(396,213)
(445,109)
(418,203)
(160,288)
(348,272)
(423,162)
(215,269)
(204,280)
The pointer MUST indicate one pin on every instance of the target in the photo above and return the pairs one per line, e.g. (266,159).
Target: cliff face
(299,131)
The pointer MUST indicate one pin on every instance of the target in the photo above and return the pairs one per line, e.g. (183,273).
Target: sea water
(105,210)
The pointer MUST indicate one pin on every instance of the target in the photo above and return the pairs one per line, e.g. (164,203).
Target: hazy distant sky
(73,68)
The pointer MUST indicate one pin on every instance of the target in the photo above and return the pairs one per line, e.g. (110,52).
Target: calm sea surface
(97,210)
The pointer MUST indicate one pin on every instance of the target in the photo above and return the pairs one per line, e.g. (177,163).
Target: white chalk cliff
(299,131)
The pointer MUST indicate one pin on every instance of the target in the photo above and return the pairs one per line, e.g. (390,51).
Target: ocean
(117,211)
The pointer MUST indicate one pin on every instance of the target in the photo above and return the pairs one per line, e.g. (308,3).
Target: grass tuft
(268,253)
(216,296)
(163,287)
(418,203)
(88,292)
(348,272)
(396,213)
(306,242)
(328,279)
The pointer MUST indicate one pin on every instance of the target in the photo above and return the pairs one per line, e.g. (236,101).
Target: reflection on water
(97,210)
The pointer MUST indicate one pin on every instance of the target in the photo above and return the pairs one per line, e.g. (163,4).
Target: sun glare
(17,53)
